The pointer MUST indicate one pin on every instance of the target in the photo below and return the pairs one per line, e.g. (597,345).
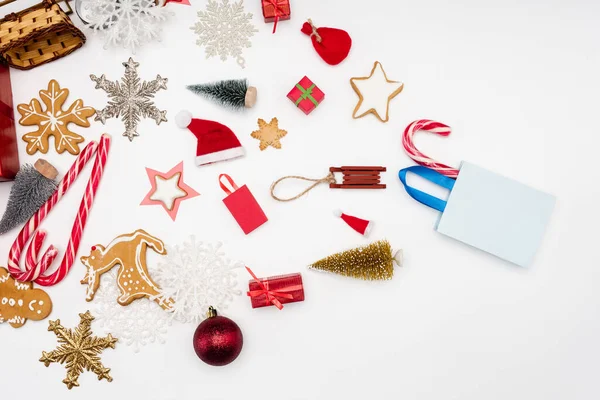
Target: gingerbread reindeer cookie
(133,280)
(20,301)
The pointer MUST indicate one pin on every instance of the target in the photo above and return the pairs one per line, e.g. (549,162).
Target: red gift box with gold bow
(9,156)
(276,10)
(275,290)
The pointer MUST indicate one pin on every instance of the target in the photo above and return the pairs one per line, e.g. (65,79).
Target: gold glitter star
(79,350)
(269,134)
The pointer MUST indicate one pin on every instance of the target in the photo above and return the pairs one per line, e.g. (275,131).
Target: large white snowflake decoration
(225,29)
(129,23)
(137,324)
(197,275)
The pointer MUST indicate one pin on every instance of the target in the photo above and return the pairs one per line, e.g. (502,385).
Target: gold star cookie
(374,93)
(269,134)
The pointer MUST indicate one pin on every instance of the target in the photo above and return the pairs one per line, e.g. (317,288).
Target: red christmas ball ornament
(333,45)
(218,340)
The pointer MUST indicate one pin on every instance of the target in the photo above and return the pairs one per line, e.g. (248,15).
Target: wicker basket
(38,35)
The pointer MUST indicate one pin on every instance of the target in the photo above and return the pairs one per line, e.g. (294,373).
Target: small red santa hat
(216,142)
(362,226)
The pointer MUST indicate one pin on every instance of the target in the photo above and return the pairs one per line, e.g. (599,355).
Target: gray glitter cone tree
(232,93)
(373,262)
(34,184)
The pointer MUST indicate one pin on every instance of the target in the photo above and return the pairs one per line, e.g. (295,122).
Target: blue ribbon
(431,176)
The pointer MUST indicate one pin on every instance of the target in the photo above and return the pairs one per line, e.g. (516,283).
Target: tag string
(314,31)
(330,178)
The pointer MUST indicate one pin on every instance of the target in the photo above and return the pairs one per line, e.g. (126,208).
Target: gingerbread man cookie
(133,279)
(20,302)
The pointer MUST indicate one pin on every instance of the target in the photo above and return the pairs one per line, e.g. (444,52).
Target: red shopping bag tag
(242,205)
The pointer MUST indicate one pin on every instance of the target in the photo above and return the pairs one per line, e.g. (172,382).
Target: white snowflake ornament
(224,29)
(137,324)
(197,275)
(129,23)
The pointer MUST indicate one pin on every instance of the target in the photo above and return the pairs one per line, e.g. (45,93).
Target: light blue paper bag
(488,211)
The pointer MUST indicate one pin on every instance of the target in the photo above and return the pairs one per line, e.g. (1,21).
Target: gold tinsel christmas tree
(371,263)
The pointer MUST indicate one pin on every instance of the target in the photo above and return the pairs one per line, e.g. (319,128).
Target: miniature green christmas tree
(230,93)
(370,263)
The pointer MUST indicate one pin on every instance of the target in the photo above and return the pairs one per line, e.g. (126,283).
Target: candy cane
(416,155)
(34,268)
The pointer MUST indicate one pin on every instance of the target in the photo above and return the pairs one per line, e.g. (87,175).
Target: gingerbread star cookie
(269,134)
(20,302)
(374,93)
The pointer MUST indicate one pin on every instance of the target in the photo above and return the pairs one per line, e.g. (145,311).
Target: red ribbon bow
(276,8)
(270,295)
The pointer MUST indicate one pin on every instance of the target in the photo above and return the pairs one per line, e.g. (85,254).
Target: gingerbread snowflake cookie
(269,134)
(20,301)
(54,121)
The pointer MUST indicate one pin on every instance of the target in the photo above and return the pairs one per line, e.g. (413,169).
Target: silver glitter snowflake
(129,23)
(139,323)
(224,29)
(130,99)
(196,275)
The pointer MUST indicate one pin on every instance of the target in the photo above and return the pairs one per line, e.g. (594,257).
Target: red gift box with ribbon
(242,205)
(275,290)
(9,155)
(306,95)
(275,11)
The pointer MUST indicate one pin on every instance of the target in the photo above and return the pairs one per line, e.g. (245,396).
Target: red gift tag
(242,205)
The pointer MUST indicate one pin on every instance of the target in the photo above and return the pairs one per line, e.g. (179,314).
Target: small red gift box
(275,290)
(9,156)
(306,95)
(242,205)
(276,10)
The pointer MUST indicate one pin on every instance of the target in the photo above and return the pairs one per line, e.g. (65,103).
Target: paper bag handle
(431,176)
(230,181)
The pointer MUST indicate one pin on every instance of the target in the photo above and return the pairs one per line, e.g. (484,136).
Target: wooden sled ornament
(354,178)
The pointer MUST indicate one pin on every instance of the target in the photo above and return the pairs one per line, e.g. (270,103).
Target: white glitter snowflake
(196,275)
(224,29)
(139,323)
(129,23)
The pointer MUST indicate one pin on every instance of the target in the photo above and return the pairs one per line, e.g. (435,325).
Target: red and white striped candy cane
(34,268)
(416,155)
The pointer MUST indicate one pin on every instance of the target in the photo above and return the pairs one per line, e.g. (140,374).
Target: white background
(518,81)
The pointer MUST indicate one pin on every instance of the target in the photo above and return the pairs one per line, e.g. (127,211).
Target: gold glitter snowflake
(79,350)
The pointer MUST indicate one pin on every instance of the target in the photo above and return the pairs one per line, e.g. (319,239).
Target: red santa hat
(216,142)
(362,226)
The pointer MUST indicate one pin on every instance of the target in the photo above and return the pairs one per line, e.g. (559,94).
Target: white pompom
(183,118)
(337,212)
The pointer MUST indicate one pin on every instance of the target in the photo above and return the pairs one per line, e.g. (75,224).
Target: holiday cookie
(20,301)
(54,121)
(134,281)
(375,93)
(269,134)
(168,190)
